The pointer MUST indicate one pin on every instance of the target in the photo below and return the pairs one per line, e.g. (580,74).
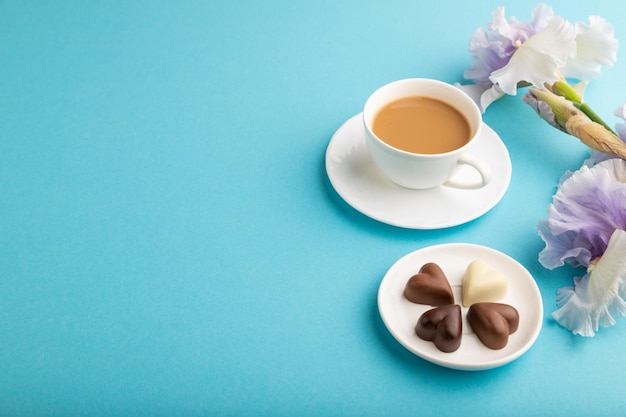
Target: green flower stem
(565,90)
(584,107)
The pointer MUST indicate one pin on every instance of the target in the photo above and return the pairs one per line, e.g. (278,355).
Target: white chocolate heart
(483,284)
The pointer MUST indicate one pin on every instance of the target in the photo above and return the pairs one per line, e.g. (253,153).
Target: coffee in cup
(418,130)
(440,127)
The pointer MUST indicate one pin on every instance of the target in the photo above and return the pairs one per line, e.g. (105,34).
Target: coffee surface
(421,125)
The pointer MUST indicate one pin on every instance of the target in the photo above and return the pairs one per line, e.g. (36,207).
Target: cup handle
(480,166)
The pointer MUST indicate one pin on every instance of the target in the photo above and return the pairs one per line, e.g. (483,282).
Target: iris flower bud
(566,116)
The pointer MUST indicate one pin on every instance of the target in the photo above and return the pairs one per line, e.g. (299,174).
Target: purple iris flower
(587,208)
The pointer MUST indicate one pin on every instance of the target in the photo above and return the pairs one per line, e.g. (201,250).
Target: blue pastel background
(170,244)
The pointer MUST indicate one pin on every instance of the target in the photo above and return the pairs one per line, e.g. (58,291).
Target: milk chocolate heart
(493,323)
(483,284)
(443,326)
(429,286)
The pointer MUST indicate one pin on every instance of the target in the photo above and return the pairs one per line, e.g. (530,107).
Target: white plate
(401,315)
(361,184)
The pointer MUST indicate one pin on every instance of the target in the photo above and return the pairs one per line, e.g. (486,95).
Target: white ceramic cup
(423,171)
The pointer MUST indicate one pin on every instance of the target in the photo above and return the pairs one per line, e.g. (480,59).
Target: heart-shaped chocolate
(483,284)
(493,323)
(443,326)
(429,286)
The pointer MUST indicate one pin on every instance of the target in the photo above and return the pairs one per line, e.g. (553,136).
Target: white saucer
(361,184)
(400,315)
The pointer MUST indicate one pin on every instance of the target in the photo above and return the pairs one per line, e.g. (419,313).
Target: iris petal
(538,59)
(621,127)
(587,208)
(542,14)
(598,298)
(596,47)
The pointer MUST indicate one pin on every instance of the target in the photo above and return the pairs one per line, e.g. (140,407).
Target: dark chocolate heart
(429,286)
(443,326)
(493,323)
